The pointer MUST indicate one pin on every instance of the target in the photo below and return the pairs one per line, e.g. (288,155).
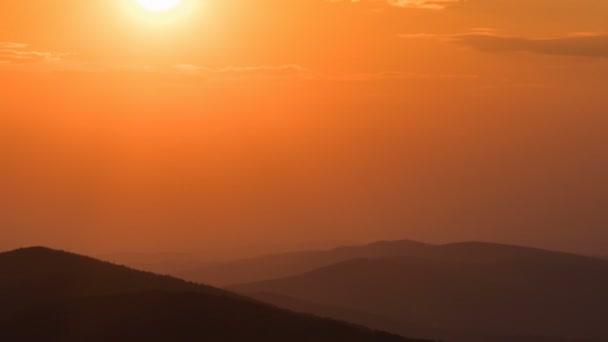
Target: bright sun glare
(158,5)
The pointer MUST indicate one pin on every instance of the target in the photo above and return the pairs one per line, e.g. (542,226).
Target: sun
(161,14)
(158,5)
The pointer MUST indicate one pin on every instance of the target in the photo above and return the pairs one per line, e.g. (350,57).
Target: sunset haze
(229,128)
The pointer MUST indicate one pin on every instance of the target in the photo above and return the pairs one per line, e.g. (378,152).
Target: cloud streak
(584,45)
(419,4)
(232,72)
(17,53)
(589,44)
(424,4)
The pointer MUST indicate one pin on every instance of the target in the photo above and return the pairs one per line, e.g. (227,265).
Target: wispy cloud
(14,53)
(400,76)
(585,44)
(295,72)
(424,4)
(232,72)
(420,4)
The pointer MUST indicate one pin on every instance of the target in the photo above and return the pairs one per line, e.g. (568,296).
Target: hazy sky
(230,127)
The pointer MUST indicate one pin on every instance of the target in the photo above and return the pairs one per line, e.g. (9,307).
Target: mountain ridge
(272,266)
(59,296)
(483,288)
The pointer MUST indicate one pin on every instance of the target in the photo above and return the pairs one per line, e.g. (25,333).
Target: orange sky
(231,127)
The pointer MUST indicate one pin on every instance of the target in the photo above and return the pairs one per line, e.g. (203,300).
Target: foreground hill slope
(47,295)
(39,275)
(469,287)
(385,323)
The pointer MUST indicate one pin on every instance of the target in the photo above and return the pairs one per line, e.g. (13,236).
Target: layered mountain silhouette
(386,323)
(281,265)
(48,295)
(457,292)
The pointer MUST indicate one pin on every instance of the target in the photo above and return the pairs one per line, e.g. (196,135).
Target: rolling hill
(48,295)
(275,266)
(474,288)
(281,265)
(386,323)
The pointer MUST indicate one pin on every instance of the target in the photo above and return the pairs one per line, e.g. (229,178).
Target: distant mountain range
(458,292)
(391,324)
(463,292)
(47,295)
(281,265)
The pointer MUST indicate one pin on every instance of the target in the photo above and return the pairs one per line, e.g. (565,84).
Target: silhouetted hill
(282,265)
(47,295)
(37,275)
(395,325)
(162,263)
(287,264)
(476,288)
(343,314)
(175,317)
